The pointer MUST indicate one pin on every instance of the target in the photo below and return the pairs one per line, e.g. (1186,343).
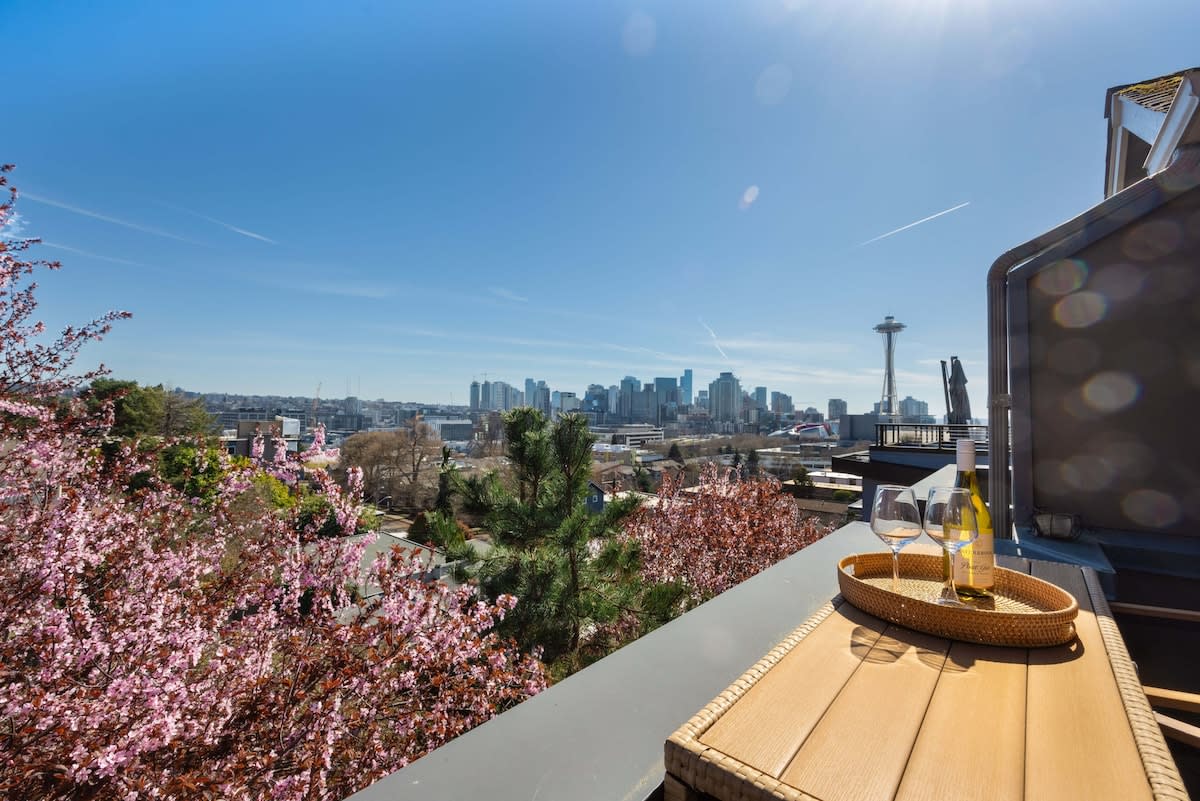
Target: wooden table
(851,708)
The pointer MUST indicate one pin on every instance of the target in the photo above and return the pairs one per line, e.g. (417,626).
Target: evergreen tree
(568,568)
(149,411)
(675,453)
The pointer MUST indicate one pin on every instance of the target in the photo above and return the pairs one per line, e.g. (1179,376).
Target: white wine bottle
(974,566)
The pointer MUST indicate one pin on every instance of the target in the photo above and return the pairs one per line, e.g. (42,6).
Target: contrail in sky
(716,344)
(91,255)
(95,215)
(222,223)
(911,224)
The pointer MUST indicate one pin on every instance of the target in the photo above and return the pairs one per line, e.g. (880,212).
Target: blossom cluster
(154,647)
(713,536)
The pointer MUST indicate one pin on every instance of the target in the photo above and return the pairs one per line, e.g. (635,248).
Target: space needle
(889,328)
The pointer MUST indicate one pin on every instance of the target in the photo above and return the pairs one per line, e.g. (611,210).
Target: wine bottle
(974,566)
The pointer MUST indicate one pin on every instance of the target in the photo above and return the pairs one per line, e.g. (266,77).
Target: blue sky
(398,197)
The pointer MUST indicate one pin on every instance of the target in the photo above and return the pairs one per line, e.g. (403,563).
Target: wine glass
(895,520)
(950,522)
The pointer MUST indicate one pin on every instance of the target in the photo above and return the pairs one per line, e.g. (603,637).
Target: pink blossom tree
(154,646)
(719,533)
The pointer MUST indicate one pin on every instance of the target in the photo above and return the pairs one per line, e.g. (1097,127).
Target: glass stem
(895,571)
(950,590)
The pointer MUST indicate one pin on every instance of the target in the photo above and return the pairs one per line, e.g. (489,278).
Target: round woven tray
(1024,612)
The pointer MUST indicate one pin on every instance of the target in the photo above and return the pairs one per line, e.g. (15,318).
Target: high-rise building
(474,396)
(614,399)
(485,395)
(781,403)
(725,398)
(685,388)
(530,386)
(595,399)
(702,399)
(541,398)
(630,387)
(667,390)
(504,396)
(837,408)
(911,407)
(760,398)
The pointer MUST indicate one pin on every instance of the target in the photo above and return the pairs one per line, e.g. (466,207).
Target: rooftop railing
(928,435)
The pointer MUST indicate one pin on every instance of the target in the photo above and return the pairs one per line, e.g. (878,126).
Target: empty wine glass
(895,520)
(950,522)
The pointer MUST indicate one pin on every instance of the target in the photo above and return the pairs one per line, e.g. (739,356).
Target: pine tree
(568,567)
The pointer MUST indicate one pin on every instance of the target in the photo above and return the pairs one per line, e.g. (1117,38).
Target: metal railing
(928,435)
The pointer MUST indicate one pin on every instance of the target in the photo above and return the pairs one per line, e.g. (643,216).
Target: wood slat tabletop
(851,708)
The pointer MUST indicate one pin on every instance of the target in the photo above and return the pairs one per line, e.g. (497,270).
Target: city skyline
(569,192)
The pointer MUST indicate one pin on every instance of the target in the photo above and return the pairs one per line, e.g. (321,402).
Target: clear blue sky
(405,197)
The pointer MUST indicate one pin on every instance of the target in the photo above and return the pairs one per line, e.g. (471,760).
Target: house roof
(1155,94)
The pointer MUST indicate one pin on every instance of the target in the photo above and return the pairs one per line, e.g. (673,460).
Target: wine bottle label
(973,566)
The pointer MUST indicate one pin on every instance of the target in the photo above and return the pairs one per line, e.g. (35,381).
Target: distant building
(702,399)
(857,427)
(505,396)
(485,396)
(595,498)
(239,441)
(567,402)
(781,403)
(452,430)
(541,398)
(595,399)
(911,407)
(811,415)
(634,435)
(230,419)
(685,388)
(725,398)
(667,392)
(630,386)
(474,396)
(837,408)
(760,398)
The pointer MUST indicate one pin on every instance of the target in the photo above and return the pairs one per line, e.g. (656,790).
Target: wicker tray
(1025,612)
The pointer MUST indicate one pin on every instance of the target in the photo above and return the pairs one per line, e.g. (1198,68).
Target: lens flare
(1087,472)
(1111,391)
(1062,278)
(1151,508)
(748,197)
(1080,309)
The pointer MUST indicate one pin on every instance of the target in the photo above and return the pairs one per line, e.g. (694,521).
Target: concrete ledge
(598,735)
